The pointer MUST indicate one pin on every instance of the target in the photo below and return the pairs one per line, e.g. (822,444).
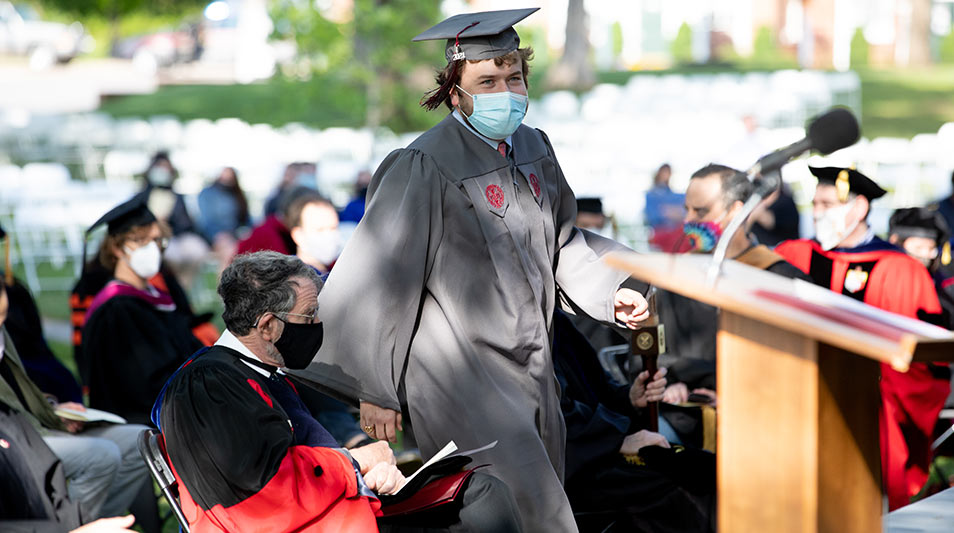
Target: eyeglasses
(163,242)
(309,319)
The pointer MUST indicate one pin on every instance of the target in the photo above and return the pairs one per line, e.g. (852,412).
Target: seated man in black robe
(245,448)
(603,426)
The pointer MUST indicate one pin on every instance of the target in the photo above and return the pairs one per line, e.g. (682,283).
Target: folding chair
(946,414)
(612,359)
(153,450)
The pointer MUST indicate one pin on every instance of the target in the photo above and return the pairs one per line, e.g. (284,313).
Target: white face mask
(323,246)
(160,176)
(145,260)
(831,228)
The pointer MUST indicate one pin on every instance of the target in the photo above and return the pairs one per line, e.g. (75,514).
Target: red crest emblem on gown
(495,196)
(535,184)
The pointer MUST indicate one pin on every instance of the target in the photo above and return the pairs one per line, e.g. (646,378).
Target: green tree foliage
(859,49)
(946,51)
(767,54)
(765,48)
(681,47)
(372,50)
(616,37)
(114,10)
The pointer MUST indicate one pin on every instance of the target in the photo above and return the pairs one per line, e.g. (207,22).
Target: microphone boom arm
(763,188)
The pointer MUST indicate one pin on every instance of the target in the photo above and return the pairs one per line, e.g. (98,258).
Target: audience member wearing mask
(223,213)
(102,463)
(849,259)
(186,249)
(133,339)
(313,224)
(924,235)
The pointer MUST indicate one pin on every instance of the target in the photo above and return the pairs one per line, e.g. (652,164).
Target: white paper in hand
(89,415)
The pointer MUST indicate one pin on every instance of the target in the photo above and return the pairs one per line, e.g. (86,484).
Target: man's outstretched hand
(631,308)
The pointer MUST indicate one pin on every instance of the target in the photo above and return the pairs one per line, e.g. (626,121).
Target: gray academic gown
(443,298)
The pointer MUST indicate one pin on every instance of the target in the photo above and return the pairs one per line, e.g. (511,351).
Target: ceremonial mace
(648,342)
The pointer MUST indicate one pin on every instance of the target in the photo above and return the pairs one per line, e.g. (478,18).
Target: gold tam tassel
(842,186)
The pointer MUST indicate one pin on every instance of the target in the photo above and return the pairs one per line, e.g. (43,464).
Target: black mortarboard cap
(478,36)
(848,180)
(589,205)
(919,222)
(125,216)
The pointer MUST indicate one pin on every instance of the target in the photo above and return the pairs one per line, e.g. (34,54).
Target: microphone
(832,131)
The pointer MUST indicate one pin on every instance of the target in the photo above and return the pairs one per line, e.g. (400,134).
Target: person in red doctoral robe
(848,258)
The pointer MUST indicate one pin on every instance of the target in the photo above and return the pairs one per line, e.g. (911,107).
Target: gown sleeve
(394,245)
(586,283)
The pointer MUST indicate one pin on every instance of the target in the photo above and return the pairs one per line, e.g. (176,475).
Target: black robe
(33,493)
(601,485)
(131,348)
(95,276)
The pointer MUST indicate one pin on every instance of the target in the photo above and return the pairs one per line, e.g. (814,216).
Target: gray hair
(260,282)
(736,186)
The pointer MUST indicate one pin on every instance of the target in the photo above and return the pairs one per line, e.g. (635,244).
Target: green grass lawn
(895,103)
(324,103)
(903,103)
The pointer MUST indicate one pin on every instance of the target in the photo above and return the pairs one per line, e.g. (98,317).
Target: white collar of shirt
(493,144)
(869,236)
(229,340)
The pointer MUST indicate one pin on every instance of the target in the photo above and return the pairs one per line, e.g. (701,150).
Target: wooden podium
(797,374)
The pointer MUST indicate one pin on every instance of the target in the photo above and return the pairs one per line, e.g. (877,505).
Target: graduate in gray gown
(440,306)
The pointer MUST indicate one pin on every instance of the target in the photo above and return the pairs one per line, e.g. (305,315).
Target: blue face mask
(497,115)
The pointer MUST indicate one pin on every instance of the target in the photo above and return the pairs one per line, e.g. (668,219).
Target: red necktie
(502,148)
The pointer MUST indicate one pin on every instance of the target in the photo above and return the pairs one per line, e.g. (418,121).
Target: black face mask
(299,343)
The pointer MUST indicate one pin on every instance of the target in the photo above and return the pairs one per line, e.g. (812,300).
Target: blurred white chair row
(47,213)
(777,99)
